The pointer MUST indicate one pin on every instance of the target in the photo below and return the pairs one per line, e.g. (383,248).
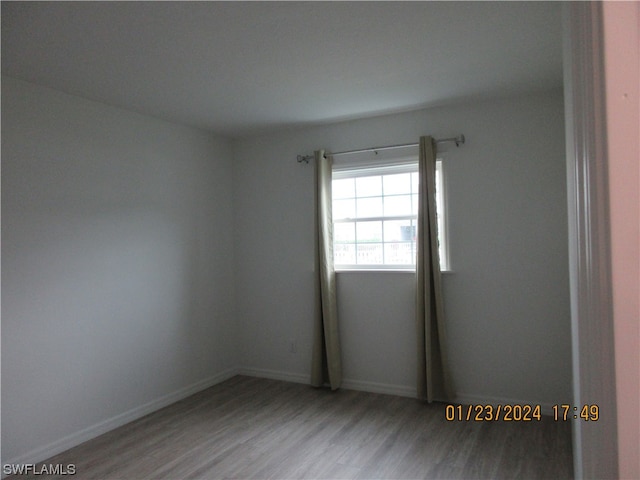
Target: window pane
(344,188)
(396,184)
(344,254)
(344,209)
(344,232)
(415,178)
(369,231)
(369,207)
(397,205)
(398,253)
(440,215)
(361,203)
(439,180)
(369,186)
(399,231)
(369,253)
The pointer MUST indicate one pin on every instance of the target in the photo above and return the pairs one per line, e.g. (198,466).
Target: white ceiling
(238,68)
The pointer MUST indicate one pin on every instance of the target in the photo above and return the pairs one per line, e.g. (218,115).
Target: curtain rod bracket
(304,158)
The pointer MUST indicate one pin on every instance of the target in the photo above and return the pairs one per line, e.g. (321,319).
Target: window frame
(394,165)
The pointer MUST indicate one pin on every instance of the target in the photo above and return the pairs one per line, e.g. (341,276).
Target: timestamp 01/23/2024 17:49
(519,413)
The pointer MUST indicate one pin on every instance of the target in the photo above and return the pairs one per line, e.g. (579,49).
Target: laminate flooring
(253,428)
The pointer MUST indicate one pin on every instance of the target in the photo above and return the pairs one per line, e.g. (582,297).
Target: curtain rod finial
(460,140)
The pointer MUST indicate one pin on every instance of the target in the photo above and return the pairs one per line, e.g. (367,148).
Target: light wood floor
(256,428)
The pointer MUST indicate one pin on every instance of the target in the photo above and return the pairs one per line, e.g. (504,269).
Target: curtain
(326,360)
(433,370)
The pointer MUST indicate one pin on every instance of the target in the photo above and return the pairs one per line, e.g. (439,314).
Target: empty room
(318,240)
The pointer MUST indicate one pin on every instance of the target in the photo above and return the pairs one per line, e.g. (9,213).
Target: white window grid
(362,250)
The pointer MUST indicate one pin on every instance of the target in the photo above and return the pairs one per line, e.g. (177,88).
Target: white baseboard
(373,387)
(46,451)
(274,375)
(390,389)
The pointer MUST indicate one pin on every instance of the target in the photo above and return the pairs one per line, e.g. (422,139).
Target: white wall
(508,299)
(116,267)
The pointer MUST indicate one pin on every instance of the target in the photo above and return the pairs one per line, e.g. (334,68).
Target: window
(375,210)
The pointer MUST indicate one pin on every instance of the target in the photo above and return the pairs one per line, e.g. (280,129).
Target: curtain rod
(459,140)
